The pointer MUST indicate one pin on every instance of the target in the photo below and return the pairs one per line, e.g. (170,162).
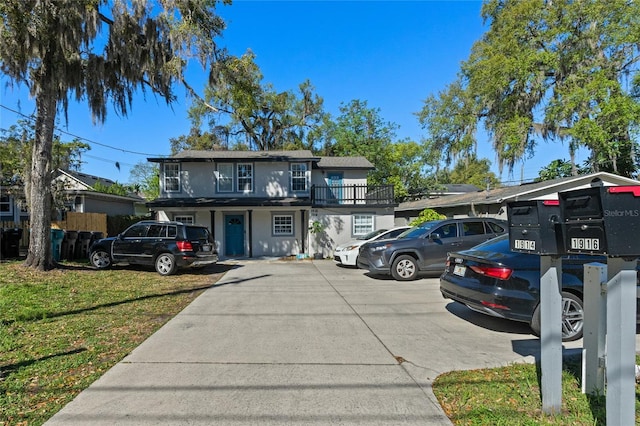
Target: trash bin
(82,245)
(57,235)
(69,245)
(11,242)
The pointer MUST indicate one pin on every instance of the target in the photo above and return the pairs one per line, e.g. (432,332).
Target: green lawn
(511,396)
(61,330)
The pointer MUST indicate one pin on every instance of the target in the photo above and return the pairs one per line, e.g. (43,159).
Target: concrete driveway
(301,342)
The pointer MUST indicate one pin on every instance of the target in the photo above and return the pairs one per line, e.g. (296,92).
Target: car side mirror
(435,236)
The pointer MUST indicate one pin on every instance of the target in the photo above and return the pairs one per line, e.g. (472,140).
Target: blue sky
(392,54)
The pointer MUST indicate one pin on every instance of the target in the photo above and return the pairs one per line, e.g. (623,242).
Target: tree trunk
(40,199)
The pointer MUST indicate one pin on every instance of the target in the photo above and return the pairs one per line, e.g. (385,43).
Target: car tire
(404,268)
(572,318)
(100,259)
(166,264)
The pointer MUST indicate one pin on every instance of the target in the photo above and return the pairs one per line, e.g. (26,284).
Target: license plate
(206,248)
(585,244)
(459,270)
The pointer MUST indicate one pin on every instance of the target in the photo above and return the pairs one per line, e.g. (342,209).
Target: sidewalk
(300,342)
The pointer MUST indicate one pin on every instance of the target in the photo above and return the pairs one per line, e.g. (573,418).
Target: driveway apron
(300,342)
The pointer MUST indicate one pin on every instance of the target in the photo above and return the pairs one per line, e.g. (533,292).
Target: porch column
(250,212)
(303,232)
(213,224)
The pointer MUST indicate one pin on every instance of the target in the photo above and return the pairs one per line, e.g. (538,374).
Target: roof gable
(85,179)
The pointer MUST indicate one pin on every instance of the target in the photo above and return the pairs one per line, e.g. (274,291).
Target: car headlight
(379,248)
(350,248)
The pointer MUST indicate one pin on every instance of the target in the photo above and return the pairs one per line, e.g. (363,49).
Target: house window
(171,177)
(282,224)
(225,177)
(245,177)
(5,204)
(362,224)
(186,219)
(299,177)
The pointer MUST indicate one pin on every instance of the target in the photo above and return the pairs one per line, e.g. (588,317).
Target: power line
(107,160)
(126,151)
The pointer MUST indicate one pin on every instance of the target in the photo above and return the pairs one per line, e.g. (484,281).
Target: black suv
(424,248)
(166,245)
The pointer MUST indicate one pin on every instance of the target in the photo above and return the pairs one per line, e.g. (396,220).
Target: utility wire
(28,117)
(506,182)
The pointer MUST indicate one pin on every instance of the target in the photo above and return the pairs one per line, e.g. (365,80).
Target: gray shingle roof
(89,180)
(195,155)
(298,155)
(344,163)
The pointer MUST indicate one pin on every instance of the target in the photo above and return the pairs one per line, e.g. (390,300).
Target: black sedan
(493,280)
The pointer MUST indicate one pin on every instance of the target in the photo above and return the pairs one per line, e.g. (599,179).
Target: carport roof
(536,190)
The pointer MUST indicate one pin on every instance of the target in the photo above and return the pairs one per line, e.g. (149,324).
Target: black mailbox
(534,227)
(602,220)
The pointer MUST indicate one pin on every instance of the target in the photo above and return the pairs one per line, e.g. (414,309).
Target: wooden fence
(74,222)
(83,222)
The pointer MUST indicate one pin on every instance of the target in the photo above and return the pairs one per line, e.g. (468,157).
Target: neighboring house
(494,202)
(81,197)
(264,203)
(12,206)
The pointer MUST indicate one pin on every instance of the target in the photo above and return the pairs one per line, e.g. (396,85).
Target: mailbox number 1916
(585,244)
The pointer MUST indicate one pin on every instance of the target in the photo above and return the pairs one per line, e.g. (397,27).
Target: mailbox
(601,220)
(534,227)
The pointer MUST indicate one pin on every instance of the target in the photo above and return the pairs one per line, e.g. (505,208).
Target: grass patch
(511,396)
(61,330)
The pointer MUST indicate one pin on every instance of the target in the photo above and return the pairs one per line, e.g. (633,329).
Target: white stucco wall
(270,179)
(339,226)
(267,244)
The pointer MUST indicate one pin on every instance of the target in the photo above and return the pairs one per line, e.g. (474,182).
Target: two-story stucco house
(263,203)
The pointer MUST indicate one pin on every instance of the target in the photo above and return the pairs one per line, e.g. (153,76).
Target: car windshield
(371,234)
(420,230)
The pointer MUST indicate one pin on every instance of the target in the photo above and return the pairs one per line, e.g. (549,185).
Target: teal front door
(335,186)
(234,235)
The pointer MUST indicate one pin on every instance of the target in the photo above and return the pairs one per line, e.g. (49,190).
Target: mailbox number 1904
(585,244)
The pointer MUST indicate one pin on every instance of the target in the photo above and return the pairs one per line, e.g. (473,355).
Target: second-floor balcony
(373,195)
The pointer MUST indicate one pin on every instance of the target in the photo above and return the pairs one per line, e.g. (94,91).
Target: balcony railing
(352,195)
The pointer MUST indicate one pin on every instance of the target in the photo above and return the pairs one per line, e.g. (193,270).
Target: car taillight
(493,272)
(184,245)
(493,305)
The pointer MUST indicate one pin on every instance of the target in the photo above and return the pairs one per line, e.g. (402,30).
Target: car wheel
(166,264)
(572,318)
(404,268)
(100,259)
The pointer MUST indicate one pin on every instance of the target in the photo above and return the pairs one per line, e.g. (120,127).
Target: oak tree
(95,51)
(240,111)
(560,71)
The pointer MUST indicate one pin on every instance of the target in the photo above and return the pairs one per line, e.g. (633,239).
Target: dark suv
(166,245)
(424,248)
